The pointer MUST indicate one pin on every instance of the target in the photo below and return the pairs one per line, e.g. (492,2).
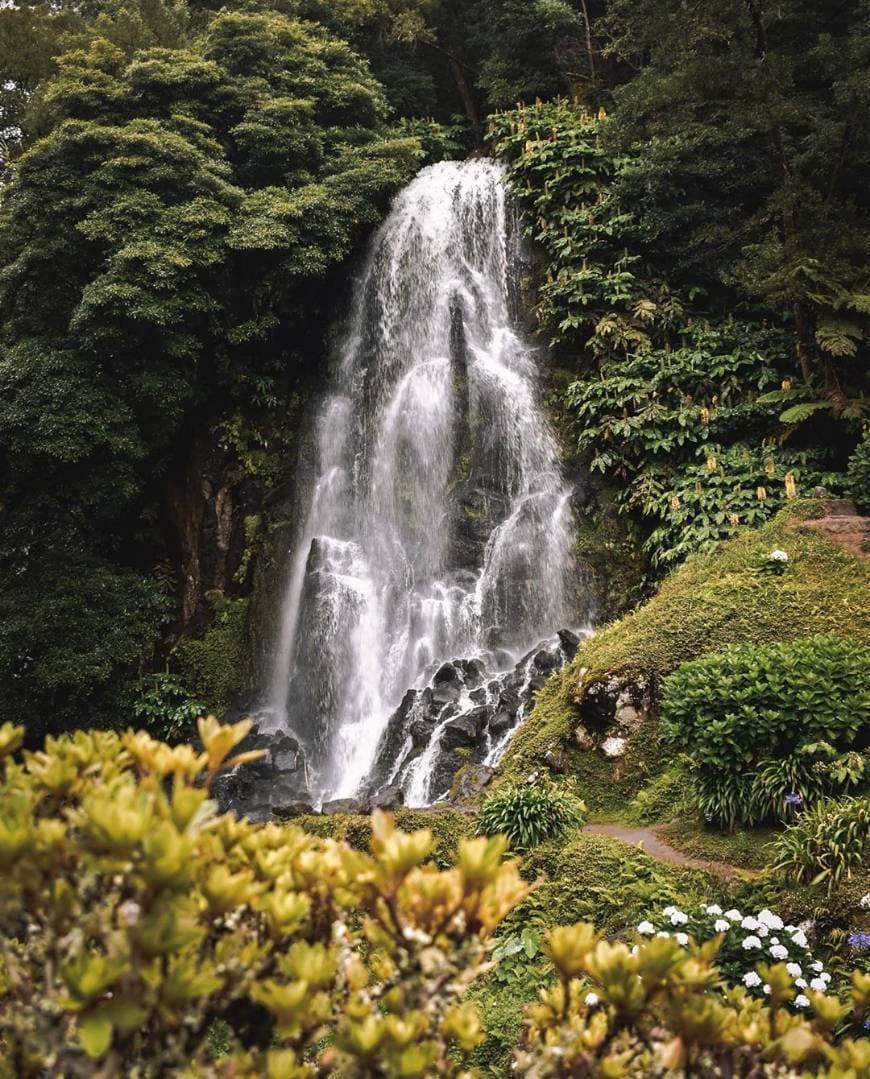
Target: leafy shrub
(829,842)
(530,813)
(744,941)
(143,934)
(764,726)
(134,919)
(166,708)
(653,1009)
(858,474)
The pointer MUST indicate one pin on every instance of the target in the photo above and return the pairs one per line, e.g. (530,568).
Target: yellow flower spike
(790,485)
(569,947)
(11,738)
(675,502)
(761,493)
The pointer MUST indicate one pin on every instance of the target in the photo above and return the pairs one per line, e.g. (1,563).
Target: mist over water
(439,523)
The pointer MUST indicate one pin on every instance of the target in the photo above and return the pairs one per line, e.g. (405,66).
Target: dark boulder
(345,805)
(460,732)
(501,722)
(570,642)
(388,797)
(288,810)
(470,781)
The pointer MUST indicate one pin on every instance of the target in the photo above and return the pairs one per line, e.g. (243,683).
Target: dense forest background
(185,189)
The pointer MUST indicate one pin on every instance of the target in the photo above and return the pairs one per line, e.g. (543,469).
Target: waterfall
(439,523)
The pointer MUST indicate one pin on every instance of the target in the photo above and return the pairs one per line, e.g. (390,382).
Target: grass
(714,599)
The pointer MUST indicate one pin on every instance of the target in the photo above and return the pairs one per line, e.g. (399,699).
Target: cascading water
(439,522)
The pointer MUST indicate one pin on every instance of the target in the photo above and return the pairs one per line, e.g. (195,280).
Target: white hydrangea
(678,918)
(668,911)
(663,933)
(771,920)
(714,908)
(778,951)
(749,923)
(733,915)
(800,939)
(825,976)
(794,969)
(762,930)
(767,989)
(721,926)
(865,901)
(751,979)
(751,942)
(800,1001)
(800,983)
(817,966)
(647,928)
(591,999)
(819,984)
(681,938)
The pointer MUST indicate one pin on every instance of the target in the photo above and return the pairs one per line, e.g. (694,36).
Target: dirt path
(657,848)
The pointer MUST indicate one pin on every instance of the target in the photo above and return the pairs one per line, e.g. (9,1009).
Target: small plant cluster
(658,1007)
(166,708)
(134,920)
(744,942)
(770,729)
(529,813)
(829,843)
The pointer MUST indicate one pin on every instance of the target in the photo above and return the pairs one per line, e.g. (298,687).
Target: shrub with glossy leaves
(768,726)
(829,843)
(529,813)
(133,918)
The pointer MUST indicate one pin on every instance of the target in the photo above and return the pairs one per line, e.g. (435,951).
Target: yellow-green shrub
(133,918)
(139,929)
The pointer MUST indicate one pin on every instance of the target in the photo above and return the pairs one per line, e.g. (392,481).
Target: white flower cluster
(762,937)
(778,556)
(865,901)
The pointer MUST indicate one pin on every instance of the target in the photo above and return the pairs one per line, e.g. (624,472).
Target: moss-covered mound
(717,598)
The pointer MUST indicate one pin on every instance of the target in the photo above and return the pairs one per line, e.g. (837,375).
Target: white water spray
(439,522)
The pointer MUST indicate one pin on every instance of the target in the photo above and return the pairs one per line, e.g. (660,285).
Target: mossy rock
(717,598)
(215,668)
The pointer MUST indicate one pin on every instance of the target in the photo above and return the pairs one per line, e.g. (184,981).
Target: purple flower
(793,799)
(859,940)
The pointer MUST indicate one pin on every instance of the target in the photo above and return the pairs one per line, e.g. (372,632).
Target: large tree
(164,244)
(748,125)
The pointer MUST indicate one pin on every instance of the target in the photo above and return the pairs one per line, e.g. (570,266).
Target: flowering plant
(747,941)
(775,564)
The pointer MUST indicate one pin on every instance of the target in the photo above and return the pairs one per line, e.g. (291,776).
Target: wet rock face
(275,787)
(462,720)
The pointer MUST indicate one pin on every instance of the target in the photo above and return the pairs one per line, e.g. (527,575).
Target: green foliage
(530,813)
(745,941)
(760,724)
(828,843)
(166,708)
(186,186)
(137,922)
(69,628)
(754,185)
(858,474)
(679,410)
(215,666)
(715,599)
